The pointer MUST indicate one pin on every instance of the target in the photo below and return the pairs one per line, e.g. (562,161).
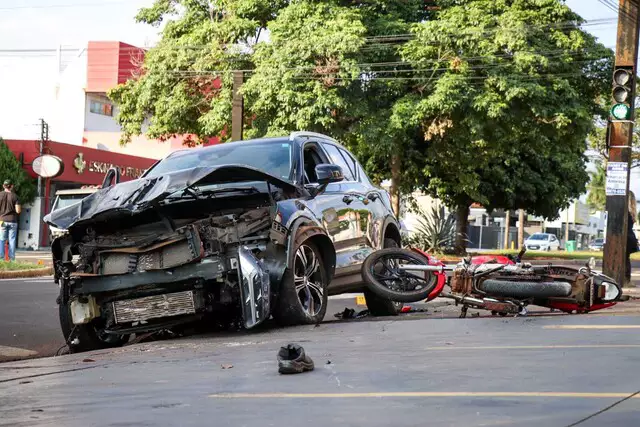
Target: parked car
(596,245)
(66,198)
(542,242)
(260,228)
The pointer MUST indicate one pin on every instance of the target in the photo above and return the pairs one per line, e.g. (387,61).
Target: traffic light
(622,93)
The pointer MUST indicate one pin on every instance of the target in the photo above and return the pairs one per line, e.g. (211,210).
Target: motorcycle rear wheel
(382,276)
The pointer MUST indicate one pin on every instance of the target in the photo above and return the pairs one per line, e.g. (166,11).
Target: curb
(19,274)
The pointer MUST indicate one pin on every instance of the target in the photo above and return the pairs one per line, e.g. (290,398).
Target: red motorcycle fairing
(441,277)
(569,307)
(492,259)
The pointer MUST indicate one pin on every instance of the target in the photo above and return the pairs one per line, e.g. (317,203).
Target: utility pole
(506,230)
(520,228)
(237,109)
(44,136)
(620,139)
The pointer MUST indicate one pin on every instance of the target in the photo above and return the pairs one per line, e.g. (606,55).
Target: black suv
(257,228)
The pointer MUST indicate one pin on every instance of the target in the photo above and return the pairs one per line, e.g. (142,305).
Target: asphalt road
(551,371)
(30,327)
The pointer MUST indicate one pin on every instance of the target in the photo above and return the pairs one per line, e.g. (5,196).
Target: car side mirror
(327,173)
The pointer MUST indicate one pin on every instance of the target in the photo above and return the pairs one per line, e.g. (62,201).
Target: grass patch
(17,265)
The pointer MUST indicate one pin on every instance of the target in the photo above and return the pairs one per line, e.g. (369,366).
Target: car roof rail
(304,133)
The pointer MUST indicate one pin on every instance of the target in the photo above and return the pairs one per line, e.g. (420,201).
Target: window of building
(103,108)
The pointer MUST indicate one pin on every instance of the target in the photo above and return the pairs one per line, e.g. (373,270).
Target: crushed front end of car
(154,253)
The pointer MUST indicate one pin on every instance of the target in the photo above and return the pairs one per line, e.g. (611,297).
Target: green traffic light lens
(620,112)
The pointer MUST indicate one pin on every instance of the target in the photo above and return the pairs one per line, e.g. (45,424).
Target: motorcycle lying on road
(501,284)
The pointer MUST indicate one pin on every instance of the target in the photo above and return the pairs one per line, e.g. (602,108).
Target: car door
(374,201)
(352,244)
(554,244)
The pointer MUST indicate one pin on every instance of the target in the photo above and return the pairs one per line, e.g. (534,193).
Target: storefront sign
(617,173)
(102,167)
(47,166)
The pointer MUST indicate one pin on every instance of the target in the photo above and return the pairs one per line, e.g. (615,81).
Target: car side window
(337,159)
(311,158)
(553,238)
(350,161)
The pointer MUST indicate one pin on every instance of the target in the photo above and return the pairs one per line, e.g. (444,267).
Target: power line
(60,6)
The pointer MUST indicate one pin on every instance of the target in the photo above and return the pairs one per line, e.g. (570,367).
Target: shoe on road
(293,360)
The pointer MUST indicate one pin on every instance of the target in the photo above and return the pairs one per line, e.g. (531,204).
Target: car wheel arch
(304,231)
(391,231)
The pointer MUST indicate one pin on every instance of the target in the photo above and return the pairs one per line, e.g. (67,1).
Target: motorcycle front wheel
(382,275)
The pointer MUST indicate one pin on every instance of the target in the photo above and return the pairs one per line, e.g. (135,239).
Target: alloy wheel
(307,278)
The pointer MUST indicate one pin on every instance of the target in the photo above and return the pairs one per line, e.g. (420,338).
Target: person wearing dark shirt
(9,211)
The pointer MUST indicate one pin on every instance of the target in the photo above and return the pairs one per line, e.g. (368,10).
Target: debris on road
(292,359)
(349,313)
(226,366)
(88,360)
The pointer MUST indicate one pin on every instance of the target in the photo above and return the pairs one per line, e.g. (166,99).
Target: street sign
(47,166)
(616,178)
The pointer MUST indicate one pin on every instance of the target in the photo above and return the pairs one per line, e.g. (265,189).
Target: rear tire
(380,306)
(303,293)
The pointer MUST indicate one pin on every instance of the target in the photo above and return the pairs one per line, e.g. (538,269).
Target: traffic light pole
(620,139)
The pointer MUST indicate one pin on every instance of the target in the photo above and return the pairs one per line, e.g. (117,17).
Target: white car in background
(542,242)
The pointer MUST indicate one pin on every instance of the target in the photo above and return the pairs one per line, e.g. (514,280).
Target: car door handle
(347,199)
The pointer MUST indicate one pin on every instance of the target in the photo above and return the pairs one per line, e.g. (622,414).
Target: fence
(490,237)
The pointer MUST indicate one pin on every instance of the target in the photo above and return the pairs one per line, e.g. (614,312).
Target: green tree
(596,198)
(485,101)
(25,186)
(327,66)
(512,92)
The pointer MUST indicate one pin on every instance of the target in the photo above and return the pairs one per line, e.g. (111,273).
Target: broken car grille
(153,307)
(167,256)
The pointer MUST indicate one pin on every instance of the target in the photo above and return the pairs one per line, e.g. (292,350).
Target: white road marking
(16,352)
(496,394)
(591,327)
(345,296)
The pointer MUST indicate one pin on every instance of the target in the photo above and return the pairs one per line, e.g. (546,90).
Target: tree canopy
(486,101)
(11,169)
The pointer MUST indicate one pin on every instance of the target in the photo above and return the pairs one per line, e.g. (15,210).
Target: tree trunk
(395,184)
(521,229)
(506,230)
(462,224)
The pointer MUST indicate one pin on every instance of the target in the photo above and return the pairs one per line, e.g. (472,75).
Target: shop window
(103,108)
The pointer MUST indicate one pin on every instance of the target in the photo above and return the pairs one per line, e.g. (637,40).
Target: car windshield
(598,241)
(68,200)
(538,237)
(271,157)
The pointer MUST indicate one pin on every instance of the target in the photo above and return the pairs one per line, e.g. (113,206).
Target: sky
(27,80)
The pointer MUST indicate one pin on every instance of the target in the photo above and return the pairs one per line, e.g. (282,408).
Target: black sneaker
(293,360)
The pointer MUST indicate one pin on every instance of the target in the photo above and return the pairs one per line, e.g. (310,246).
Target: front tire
(89,336)
(303,293)
(379,306)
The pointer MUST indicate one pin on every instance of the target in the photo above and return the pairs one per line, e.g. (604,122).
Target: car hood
(138,195)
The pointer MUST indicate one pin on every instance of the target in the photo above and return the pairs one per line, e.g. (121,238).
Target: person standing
(9,211)
(632,241)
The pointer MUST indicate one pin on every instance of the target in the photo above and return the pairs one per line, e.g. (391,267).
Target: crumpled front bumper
(255,287)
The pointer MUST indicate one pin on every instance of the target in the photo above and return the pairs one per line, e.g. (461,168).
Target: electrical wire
(60,6)
(372,41)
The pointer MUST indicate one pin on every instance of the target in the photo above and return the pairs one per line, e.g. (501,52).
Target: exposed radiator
(153,307)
